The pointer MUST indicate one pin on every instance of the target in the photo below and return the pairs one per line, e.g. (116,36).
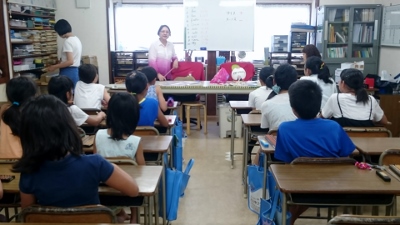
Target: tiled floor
(214,195)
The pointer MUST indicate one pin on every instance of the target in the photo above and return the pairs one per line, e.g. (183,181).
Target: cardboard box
(356,65)
(89,60)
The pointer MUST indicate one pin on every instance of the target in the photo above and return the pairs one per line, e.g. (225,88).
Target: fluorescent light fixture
(237,3)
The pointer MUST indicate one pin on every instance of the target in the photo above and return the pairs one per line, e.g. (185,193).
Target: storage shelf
(29,15)
(32,55)
(18,71)
(29,42)
(27,28)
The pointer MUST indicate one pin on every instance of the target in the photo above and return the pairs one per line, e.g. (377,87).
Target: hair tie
(276,89)
(16,103)
(133,93)
(322,66)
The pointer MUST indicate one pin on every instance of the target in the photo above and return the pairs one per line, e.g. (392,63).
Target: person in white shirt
(162,54)
(258,96)
(70,54)
(316,71)
(61,87)
(353,107)
(118,140)
(88,93)
(277,108)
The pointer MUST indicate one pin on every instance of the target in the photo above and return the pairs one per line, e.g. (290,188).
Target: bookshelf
(349,33)
(124,62)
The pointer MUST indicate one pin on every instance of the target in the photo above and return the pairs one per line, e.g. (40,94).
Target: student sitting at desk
(316,70)
(277,107)
(118,140)
(54,170)
(154,90)
(61,87)
(137,84)
(258,96)
(353,107)
(88,93)
(309,136)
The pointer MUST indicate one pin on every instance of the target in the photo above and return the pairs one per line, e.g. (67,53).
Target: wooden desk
(234,106)
(332,185)
(171,122)
(267,151)
(248,121)
(156,144)
(375,146)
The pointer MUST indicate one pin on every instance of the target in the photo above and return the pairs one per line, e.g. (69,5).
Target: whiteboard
(219,25)
(391,26)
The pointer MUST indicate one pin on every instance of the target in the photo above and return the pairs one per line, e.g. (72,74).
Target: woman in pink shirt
(162,53)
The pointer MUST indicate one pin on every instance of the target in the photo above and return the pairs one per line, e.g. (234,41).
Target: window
(137,25)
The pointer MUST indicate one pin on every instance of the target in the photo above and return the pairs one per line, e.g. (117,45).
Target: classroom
(232,175)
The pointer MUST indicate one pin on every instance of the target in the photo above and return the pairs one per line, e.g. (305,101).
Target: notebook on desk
(271,140)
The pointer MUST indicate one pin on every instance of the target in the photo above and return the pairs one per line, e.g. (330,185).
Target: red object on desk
(247,66)
(370,82)
(196,69)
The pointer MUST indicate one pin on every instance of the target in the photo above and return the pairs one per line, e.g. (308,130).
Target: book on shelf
(337,52)
(339,15)
(363,53)
(363,33)
(364,15)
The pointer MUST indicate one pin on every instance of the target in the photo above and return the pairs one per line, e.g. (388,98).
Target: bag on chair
(177,148)
(255,177)
(271,212)
(221,77)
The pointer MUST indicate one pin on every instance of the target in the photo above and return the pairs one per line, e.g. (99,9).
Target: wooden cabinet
(4,63)
(390,104)
(33,39)
(122,63)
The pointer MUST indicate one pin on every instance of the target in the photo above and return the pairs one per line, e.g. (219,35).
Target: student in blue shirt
(309,136)
(137,84)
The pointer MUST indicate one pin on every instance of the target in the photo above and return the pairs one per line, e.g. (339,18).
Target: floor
(214,195)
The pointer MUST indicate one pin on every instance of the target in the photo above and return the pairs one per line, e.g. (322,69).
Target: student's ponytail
(271,95)
(362,95)
(318,67)
(18,91)
(266,76)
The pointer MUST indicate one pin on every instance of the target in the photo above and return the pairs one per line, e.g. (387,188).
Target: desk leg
(284,209)
(164,193)
(232,136)
(244,169)
(150,210)
(264,189)
(156,215)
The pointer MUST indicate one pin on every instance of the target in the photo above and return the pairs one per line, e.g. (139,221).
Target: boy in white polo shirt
(88,93)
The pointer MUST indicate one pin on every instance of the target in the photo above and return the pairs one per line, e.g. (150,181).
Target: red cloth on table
(186,68)
(247,66)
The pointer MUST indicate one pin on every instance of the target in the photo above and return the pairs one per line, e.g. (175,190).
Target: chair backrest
(91,111)
(146,131)
(247,66)
(389,156)
(81,214)
(186,68)
(273,132)
(367,131)
(122,161)
(186,78)
(364,220)
(321,160)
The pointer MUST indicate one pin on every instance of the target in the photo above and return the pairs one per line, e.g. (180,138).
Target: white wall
(90,26)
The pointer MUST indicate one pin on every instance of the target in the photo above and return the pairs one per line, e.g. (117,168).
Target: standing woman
(310,50)
(162,54)
(71,52)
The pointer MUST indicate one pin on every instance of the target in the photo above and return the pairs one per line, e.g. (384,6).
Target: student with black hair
(258,96)
(310,50)
(316,70)
(137,84)
(71,52)
(154,90)
(61,87)
(118,140)
(54,170)
(88,93)
(353,107)
(276,109)
(18,90)
(309,136)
